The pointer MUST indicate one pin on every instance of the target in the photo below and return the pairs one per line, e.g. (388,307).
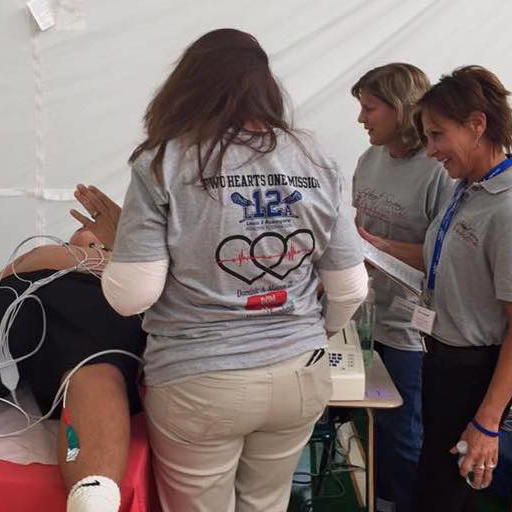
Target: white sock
(94,494)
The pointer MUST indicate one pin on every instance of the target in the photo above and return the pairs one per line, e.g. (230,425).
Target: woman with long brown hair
(230,222)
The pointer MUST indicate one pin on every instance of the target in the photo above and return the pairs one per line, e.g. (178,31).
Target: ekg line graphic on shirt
(249,260)
(242,258)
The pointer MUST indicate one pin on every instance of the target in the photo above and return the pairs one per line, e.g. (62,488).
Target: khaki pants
(230,441)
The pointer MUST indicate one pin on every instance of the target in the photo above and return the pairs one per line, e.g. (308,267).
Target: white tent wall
(72,97)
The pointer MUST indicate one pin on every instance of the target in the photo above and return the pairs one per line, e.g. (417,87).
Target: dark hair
(400,85)
(472,89)
(221,82)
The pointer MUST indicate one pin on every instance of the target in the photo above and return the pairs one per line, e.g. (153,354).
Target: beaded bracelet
(483,430)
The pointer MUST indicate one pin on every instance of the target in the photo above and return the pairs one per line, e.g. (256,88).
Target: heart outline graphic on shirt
(254,258)
(220,263)
(284,241)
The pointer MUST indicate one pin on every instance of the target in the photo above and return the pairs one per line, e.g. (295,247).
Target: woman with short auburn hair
(467,370)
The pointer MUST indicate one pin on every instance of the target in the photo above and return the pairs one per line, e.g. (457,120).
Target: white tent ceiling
(72,97)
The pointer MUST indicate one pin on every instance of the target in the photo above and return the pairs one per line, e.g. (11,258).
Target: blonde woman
(397,191)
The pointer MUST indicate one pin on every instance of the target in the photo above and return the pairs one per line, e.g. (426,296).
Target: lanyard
(448,217)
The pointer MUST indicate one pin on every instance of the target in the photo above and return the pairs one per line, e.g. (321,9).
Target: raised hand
(104,212)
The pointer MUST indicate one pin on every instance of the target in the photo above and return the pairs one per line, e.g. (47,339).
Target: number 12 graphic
(270,208)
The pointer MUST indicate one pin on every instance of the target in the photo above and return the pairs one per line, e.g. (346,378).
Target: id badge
(423,319)
(402,306)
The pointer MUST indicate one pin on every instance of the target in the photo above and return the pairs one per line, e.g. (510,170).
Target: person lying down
(78,322)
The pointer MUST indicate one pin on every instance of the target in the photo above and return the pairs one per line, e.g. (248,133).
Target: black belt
(469,353)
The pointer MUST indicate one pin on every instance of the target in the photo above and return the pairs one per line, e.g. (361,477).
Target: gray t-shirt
(397,198)
(241,291)
(475,269)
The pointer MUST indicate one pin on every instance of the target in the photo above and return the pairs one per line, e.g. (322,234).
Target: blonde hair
(400,85)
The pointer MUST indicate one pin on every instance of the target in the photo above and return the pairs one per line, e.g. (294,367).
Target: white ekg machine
(346,363)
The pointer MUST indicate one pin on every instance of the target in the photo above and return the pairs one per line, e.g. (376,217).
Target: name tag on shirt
(423,319)
(403,306)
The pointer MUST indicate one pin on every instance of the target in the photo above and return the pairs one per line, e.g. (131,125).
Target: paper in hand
(405,275)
